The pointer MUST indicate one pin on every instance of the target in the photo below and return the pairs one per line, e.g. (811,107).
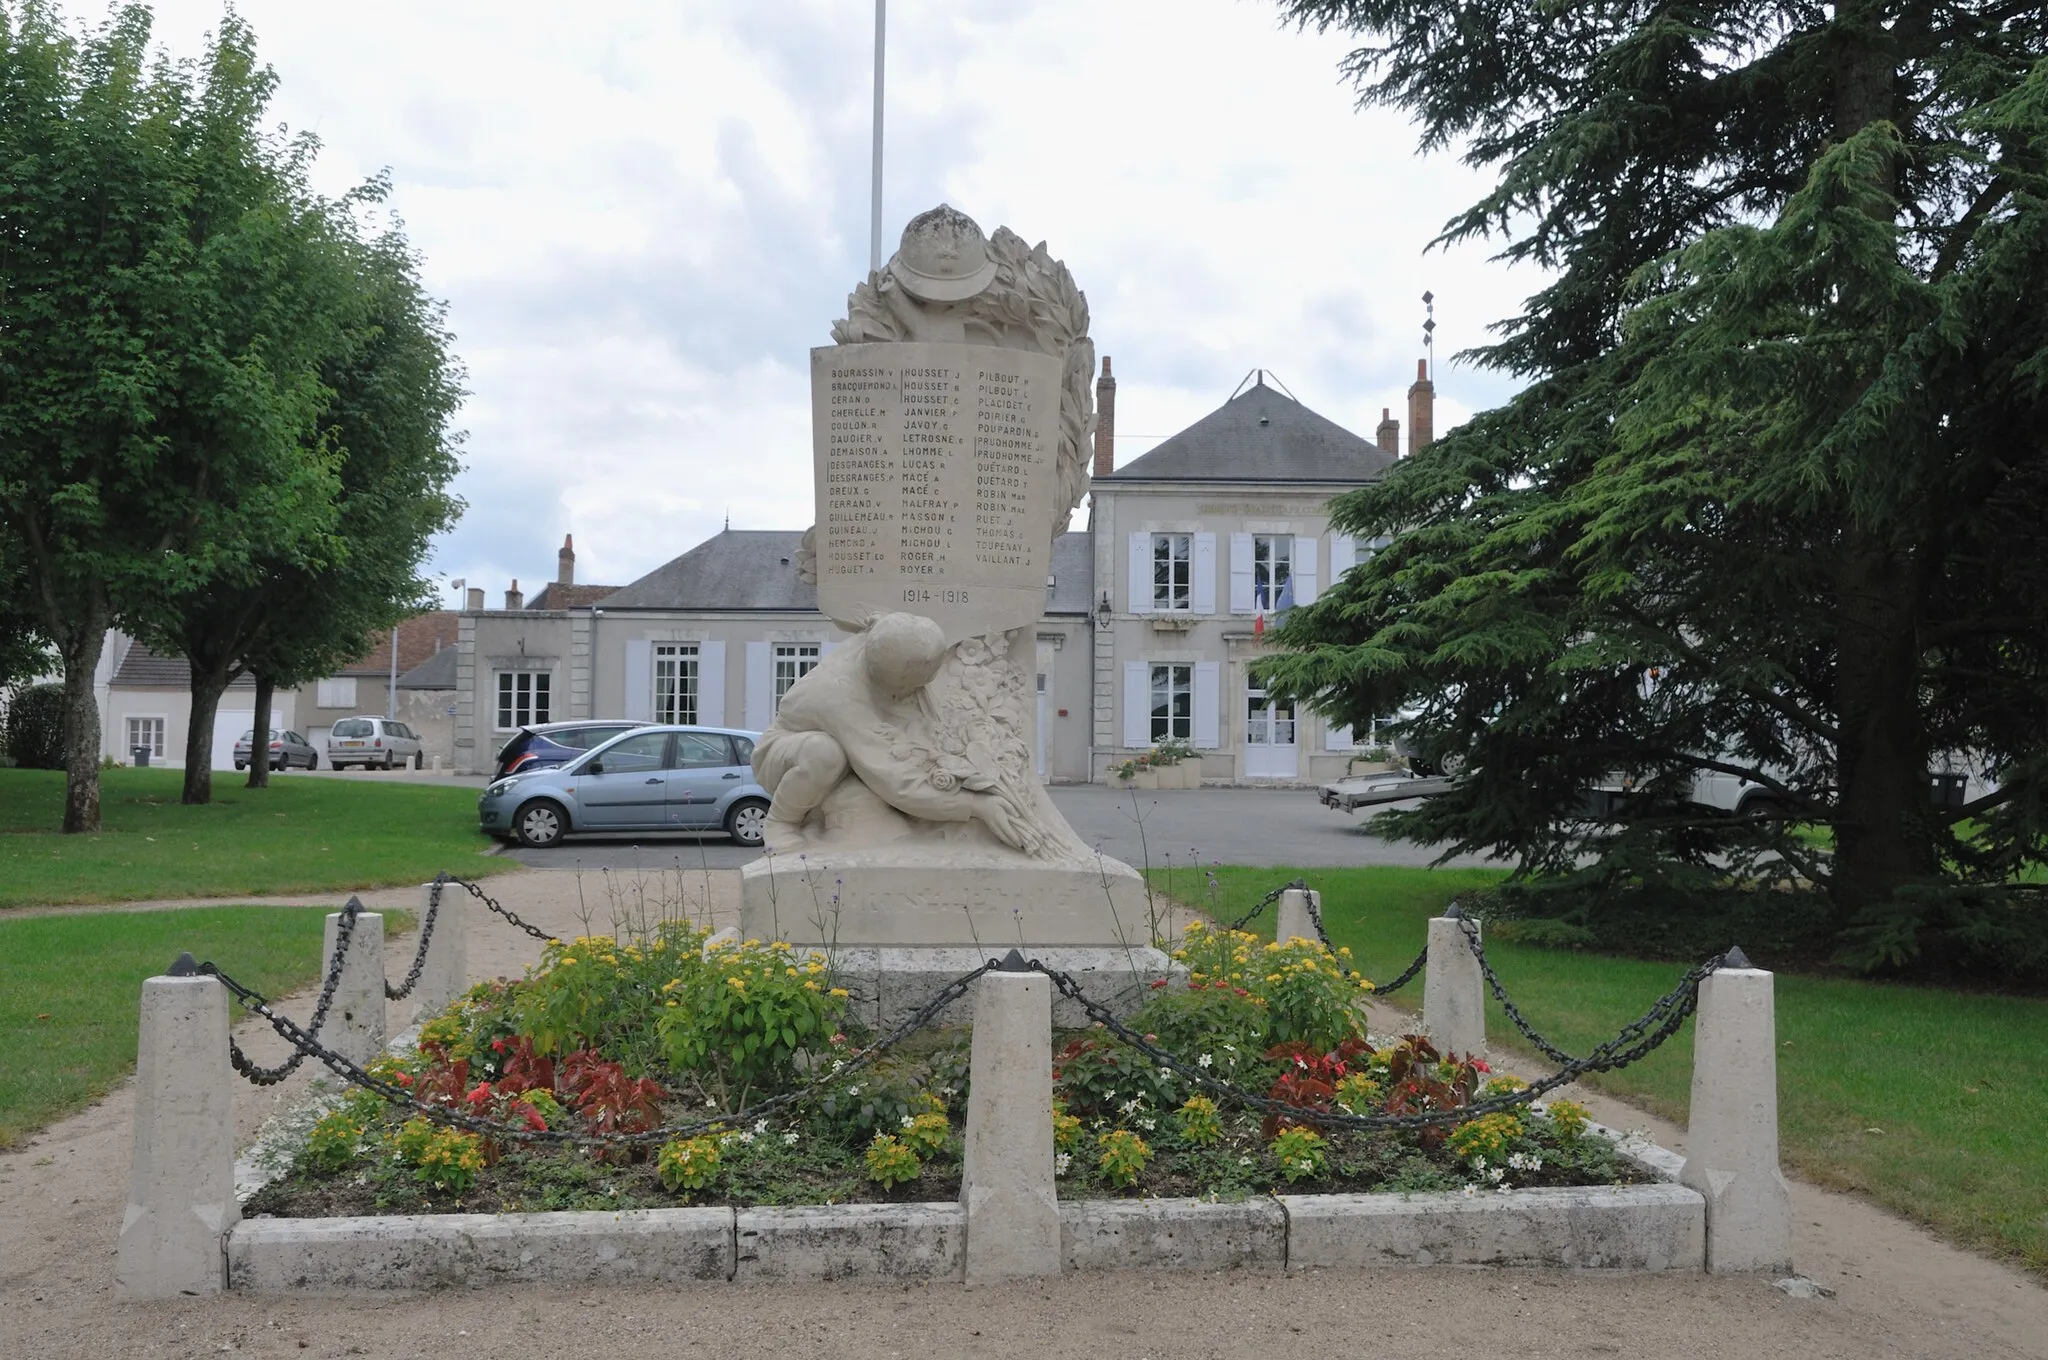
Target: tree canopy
(1770,504)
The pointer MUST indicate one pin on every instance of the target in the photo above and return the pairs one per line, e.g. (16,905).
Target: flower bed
(611,1037)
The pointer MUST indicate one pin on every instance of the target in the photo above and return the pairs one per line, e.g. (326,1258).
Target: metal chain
(1268,900)
(1514,1014)
(506,912)
(308,1046)
(1635,1041)
(419,958)
(1408,974)
(344,935)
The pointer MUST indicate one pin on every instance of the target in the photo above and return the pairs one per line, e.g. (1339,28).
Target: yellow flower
(736,984)
(810,986)
(837,991)
(568,959)
(780,944)
(750,944)
(789,972)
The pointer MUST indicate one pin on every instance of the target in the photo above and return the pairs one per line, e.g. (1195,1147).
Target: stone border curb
(1610,1227)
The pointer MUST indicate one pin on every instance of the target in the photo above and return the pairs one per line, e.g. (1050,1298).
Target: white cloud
(642,214)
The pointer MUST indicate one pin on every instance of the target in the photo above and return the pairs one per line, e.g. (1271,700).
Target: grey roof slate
(145,668)
(436,672)
(755,569)
(736,569)
(1259,435)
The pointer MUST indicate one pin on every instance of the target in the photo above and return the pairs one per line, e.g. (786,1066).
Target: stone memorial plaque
(936,474)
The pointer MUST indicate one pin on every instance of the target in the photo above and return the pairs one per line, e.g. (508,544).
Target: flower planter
(1146,779)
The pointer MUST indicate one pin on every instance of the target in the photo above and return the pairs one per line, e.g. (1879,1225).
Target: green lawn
(1930,1102)
(299,835)
(70,987)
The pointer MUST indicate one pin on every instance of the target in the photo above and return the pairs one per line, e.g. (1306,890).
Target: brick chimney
(565,562)
(1105,421)
(474,600)
(513,599)
(1421,410)
(1388,435)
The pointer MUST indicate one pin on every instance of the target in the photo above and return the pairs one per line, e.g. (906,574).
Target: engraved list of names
(935,482)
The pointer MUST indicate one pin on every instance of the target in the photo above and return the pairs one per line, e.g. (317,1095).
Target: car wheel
(240,766)
(747,823)
(387,760)
(312,762)
(540,823)
(419,760)
(1452,765)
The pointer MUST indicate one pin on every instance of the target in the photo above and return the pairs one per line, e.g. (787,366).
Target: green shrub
(35,727)
(740,1017)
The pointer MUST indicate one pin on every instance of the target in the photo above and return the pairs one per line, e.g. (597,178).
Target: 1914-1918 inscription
(935,481)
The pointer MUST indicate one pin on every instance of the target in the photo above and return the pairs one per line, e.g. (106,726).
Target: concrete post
(1013,1212)
(444,974)
(1293,921)
(181,1177)
(1453,992)
(1732,1144)
(355,1022)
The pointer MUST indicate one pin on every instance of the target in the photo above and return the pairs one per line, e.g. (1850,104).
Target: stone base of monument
(891,982)
(901,921)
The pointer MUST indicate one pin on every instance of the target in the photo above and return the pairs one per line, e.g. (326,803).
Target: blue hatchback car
(657,778)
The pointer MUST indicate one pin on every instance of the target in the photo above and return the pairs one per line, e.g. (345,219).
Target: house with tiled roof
(1153,615)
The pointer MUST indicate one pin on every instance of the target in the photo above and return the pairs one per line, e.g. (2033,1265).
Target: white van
(372,740)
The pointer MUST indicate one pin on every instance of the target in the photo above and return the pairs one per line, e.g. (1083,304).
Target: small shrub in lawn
(891,1161)
(35,727)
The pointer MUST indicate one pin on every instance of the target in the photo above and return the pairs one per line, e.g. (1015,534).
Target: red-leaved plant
(1310,1081)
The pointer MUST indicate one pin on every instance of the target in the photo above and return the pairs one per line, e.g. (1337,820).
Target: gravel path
(1900,1292)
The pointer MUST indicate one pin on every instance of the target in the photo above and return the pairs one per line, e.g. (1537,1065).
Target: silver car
(373,740)
(664,778)
(286,750)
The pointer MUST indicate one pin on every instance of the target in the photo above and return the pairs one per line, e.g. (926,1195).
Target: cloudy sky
(642,213)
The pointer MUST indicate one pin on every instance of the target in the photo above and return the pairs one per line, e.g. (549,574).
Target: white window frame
(336,692)
(156,743)
(1272,569)
(1175,554)
(793,661)
(675,682)
(521,698)
(1264,723)
(1171,678)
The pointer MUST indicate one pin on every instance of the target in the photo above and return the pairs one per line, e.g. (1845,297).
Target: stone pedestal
(181,1179)
(1293,921)
(1732,1141)
(1006,1187)
(444,974)
(1453,990)
(936,894)
(891,982)
(355,1021)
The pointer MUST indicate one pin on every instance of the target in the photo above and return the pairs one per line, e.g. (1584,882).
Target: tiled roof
(436,672)
(555,595)
(737,569)
(419,637)
(1260,435)
(145,668)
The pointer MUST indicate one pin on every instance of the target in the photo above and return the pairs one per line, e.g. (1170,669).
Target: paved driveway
(1218,826)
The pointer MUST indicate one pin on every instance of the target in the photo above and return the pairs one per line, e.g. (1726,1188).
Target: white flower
(1306,1165)
(1131,1106)
(1503,1189)
(1244,1161)
(1470,1190)
(1060,1162)
(1479,1165)
(1166,1074)
(760,1126)
(747,1137)
(1146,1125)
(789,1139)
(1496,1175)
(1204,1060)
(906,1121)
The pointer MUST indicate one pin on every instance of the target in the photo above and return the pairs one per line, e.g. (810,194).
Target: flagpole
(875,217)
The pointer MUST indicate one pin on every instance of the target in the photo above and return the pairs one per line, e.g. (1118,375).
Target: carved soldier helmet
(943,256)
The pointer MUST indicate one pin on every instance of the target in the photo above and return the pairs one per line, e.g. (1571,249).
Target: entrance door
(1269,749)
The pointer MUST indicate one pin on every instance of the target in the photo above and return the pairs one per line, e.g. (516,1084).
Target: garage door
(316,737)
(228,726)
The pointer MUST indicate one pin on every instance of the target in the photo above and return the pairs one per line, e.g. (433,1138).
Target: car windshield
(354,727)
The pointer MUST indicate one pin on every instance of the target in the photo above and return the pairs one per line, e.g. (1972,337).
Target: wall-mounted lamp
(1103,611)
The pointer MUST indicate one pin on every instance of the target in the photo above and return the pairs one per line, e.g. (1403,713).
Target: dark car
(543,746)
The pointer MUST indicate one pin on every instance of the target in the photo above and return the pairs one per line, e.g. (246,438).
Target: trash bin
(1947,789)
(140,754)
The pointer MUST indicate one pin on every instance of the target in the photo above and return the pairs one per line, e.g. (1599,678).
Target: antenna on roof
(1257,378)
(728,519)
(1429,331)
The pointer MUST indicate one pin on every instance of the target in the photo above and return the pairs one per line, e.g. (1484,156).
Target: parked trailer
(1348,795)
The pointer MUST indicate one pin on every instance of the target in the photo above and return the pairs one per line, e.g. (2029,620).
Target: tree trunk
(81,645)
(1882,831)
(259,746)
(207,687)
